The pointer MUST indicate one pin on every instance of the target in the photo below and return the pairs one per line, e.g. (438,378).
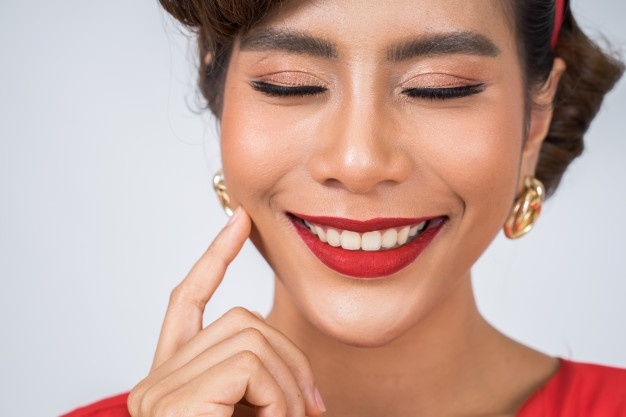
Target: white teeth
(403,235)
(390,238)
(371,241)
(333,238)
(321,234)
(350,240)
(415,229)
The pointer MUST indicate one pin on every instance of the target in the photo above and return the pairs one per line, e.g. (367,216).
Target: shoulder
(109,407)
(580,389)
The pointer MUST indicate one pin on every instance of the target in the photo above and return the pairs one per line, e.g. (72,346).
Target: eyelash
(444,93)
(275,90)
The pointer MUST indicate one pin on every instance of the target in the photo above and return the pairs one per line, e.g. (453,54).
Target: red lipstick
(367,264)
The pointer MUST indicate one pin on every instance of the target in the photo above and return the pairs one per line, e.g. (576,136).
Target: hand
(238,359)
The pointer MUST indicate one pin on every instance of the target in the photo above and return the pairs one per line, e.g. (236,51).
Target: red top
(576,390)
(580,390)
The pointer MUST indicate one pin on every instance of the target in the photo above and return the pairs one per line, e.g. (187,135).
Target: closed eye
(444,93)
(276,90)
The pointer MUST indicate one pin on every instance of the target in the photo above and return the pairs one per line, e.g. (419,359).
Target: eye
(443,93)
(276,90)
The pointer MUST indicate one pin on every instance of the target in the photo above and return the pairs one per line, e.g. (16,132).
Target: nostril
(333,183)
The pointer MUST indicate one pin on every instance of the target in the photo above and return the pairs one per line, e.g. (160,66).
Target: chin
(360,324)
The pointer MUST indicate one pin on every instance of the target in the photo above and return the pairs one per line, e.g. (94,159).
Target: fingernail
(319,401)
(234,217)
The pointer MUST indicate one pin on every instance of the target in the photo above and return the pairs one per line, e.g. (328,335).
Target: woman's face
(341,112)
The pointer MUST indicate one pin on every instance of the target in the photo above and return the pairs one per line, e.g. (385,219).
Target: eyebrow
(289,41)
(465,43)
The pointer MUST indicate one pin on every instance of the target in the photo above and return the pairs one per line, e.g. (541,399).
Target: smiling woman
(372,151)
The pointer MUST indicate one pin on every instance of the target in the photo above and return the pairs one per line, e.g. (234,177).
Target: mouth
(371,249)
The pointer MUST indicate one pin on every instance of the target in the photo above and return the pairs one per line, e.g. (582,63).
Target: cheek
(480,152)
(256,148)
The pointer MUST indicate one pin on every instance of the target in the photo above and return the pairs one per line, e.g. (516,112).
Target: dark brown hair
(590,72)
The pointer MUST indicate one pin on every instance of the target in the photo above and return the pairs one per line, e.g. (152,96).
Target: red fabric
(580,390)
(110,407)
(576,390)
(559,12)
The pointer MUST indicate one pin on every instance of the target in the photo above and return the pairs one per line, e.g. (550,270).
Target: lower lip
(366,264)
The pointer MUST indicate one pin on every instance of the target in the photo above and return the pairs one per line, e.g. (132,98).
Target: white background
(106,201)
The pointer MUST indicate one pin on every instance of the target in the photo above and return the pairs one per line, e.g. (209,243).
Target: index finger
(183,318)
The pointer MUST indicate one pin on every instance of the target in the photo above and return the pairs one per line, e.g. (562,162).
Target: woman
(372,151)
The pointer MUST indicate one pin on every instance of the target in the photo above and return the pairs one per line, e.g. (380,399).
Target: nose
(360,149)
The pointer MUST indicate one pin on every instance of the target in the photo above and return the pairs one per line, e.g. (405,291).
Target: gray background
(106,201)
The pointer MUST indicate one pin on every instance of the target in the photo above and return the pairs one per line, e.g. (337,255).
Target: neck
(451,360)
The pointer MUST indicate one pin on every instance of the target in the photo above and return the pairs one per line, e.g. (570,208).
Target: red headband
(558,21)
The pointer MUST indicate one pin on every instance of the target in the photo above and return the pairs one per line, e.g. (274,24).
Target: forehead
(377,24)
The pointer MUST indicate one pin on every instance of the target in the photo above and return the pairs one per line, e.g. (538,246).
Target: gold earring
(526,209)
(222,192)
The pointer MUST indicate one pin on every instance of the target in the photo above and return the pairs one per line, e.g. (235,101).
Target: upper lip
(363,226)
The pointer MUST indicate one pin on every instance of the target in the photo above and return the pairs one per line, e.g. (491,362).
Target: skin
(412,343)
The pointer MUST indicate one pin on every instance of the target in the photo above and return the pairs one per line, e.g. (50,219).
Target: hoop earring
(222,192)
(526,209)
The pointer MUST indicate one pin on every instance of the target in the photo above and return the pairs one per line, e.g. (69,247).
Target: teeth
(321,234)
(417,228)
(369,241)
(350,240)
(403,235)
(390,238)
(333,237)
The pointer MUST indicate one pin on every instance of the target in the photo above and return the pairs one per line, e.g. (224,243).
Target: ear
(540,118)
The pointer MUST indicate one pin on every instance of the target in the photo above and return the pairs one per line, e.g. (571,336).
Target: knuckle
(133,402)
(238,314)
(136,400)
(248,360)
(178,295)
(254,336)
(152,402)
(185,295)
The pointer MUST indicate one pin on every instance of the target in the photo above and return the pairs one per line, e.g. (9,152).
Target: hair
(590,72)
